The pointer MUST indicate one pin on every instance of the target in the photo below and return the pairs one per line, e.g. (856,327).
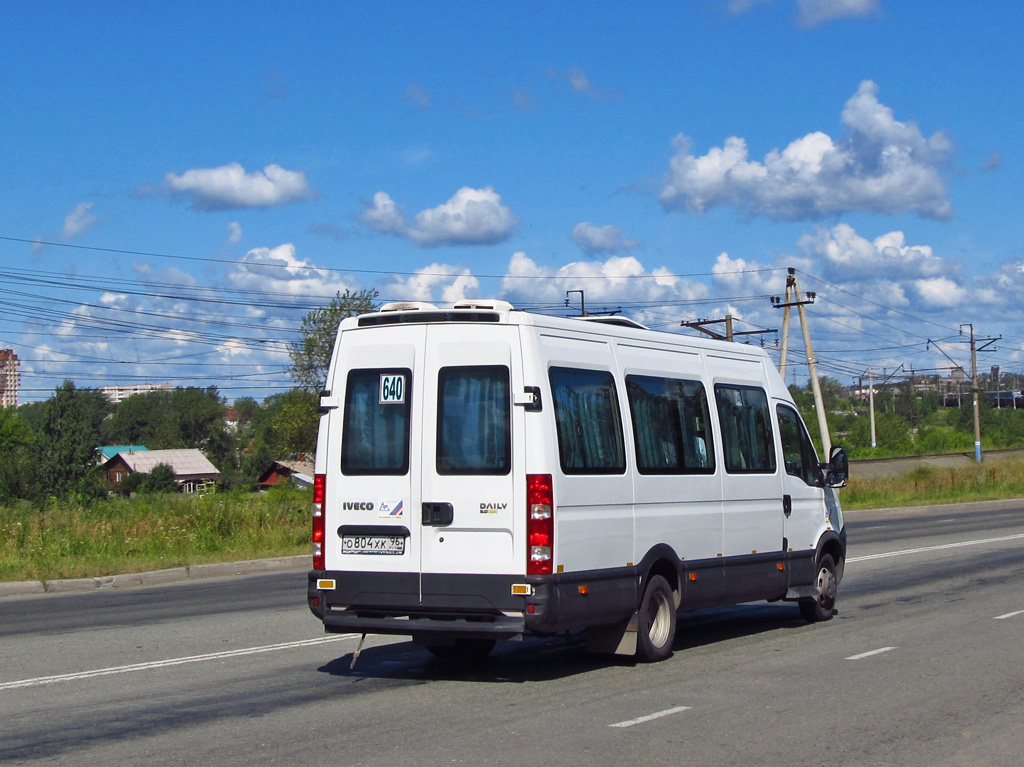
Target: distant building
(192,470)
(298,472)
(106,452)
(10,378)
(117,393)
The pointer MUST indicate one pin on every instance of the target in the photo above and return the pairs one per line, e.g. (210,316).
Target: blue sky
(184,181)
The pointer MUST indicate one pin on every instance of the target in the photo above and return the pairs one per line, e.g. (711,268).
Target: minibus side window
(670,425)
(798,454)
(589,426)
(746,429)
(473,420)
(375,434)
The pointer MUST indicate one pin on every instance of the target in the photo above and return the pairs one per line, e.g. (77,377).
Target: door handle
(787,505)
(438,514)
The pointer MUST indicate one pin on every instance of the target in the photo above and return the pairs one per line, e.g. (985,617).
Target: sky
(183,182)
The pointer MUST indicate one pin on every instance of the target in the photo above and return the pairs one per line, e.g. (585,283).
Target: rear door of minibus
(470,455)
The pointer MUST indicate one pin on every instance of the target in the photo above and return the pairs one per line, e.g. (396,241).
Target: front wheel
(657,625)
(820,608)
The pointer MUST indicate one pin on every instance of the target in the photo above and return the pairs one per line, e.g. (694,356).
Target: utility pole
(871,404)
(583,306)
(793,299)
(730,334)
(974,384)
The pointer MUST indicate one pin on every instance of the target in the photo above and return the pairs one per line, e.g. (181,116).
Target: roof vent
(623,322)
(493,304)
(406,306)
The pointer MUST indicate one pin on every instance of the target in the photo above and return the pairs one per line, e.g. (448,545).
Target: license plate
(373,544)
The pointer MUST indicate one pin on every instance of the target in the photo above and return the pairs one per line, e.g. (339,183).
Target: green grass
(67,540)
(935,485)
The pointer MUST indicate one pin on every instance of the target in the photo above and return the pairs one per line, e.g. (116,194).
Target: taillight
(319,495)
(540,524)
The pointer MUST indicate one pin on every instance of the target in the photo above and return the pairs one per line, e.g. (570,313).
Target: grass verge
(65,540)
(150,532)
(927,485)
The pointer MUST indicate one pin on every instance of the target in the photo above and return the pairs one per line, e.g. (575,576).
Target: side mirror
(838,469)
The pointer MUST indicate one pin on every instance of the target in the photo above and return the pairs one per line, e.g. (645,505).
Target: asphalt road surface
(923,664)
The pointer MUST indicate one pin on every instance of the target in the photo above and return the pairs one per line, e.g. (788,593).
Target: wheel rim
(660,619)
(826,587)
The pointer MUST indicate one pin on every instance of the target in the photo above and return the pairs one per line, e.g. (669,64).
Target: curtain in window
(473,421)
(589,427)
(375,439)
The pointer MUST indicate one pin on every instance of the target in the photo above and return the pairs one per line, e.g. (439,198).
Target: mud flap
(617,639)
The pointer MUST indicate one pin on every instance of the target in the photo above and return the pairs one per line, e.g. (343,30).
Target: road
(922,665)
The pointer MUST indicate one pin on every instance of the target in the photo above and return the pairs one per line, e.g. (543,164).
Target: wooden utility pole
(730,334)
(793,299)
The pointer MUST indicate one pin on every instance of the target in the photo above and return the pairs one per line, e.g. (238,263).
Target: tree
(68,438)
(311,355)
(159,479)
(15,439)
(288,425)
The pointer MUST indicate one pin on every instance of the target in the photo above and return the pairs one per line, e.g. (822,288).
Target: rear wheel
(820,608)
(657,625)
(462,649)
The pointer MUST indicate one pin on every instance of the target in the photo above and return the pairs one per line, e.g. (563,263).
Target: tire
(820,608)
(656,630)
(463,649)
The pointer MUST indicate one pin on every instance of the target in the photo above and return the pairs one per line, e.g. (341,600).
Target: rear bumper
(469,606)
(449,606)
(419,626)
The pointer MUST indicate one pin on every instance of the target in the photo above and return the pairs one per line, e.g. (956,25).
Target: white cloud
(580,83)
(229,187)
(739,7)
(739,277)
(437,282)
(849,256)
(470,217)
(595,239)
(522,100)
(941,293)
(812,13)
(79,221)
(880,165)
(606,285)
(234,230)
(418,96)
(993,162)
(278,270)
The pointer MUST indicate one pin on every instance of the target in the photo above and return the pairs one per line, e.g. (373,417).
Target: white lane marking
(869,653)
(651,717)
(901,552)
(43,680)
(1008,615)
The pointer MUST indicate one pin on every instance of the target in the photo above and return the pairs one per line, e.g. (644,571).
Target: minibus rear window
(473,420)
(375,435)
(671,427)
(589,426)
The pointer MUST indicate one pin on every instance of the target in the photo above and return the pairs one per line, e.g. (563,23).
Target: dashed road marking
(869,653)
(1008,615)
(924,549)
(44,680)
(651,717)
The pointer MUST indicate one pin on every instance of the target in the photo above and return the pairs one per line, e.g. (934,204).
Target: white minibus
(484,473)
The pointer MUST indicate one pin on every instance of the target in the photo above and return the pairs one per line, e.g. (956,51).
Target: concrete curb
(155,577)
